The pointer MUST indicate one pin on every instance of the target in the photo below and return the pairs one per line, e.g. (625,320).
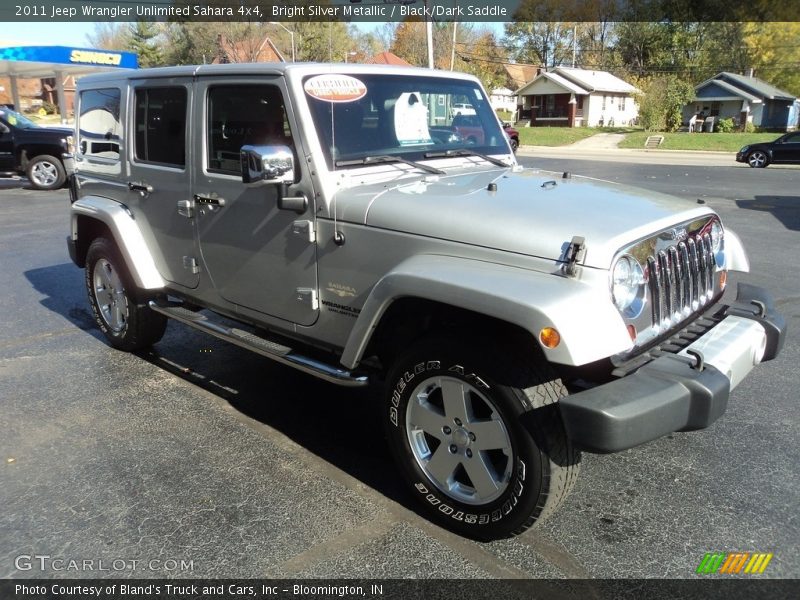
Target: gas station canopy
(59,61)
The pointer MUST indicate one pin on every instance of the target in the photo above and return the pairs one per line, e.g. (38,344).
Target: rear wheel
(758,159)
(479,439)
(46,172)
(127,323)
(514,144)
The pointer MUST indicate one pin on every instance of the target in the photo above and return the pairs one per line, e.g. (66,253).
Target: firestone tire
(127,323)
(480,441)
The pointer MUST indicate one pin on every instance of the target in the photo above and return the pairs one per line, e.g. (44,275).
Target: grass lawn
(726,142)
(561,136)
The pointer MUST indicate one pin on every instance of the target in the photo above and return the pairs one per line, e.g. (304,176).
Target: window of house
(622,104)
(100,131)
(715,109)
(604,102)
(240,115)
(550,103)
(160,118)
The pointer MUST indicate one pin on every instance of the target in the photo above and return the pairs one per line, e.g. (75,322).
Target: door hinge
(186,208)
(190,263)
(307,296)
(306,229)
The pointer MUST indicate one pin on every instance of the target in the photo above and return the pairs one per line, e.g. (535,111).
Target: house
(743,98)
(518,74)
(570,97)
(254,49)
(503,99)
(387,58)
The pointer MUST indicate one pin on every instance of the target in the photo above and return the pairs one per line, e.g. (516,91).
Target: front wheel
(480,443)
(757,159)
(46,172)
(514,144)
(127,323)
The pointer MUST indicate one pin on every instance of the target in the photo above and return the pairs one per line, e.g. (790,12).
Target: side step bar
(264,347)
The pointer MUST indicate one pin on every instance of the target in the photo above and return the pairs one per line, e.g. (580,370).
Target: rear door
(257,255)
(6,147)
(159,179)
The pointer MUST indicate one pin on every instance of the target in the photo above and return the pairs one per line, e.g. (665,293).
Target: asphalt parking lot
(215,462)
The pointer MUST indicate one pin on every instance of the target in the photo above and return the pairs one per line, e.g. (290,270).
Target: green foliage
(49,108)
(749,127)
(661,102)
(504,115)
(142,40)
(725,125)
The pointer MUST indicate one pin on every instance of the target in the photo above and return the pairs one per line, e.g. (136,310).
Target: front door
(789,150)
(159,183)
(257,255)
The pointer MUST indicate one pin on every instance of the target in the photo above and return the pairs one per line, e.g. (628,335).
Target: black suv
(36,151)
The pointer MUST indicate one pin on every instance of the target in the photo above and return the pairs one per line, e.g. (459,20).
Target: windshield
(15,119)
(400,115)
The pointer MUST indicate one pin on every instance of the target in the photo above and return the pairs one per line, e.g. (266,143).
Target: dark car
(513,135)
(26,148)
(784,150)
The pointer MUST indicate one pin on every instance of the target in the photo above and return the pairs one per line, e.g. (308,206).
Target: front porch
(551,110)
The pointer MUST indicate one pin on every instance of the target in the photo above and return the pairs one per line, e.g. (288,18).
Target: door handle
(143,188)
(209,200)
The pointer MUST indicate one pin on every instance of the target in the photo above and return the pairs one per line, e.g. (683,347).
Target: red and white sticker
(335,88)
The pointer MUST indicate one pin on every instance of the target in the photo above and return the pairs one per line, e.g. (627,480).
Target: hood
(46,133)
(530,212)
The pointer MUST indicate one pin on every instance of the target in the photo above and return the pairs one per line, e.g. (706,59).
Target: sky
(74,34)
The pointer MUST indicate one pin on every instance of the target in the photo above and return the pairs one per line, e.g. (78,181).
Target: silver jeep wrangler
(352,232)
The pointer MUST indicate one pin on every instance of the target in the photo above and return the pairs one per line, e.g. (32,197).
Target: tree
(108,36)
(661,102)
(142,39)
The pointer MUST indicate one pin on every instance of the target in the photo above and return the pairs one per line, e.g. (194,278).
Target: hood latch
(575,253)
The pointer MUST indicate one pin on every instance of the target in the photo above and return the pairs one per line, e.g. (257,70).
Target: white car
(462,108)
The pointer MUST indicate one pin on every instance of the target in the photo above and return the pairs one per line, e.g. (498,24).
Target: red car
(469,128)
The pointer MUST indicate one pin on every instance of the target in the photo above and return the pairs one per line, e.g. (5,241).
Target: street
(205,457)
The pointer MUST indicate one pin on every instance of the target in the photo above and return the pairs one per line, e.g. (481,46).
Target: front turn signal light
(549,337)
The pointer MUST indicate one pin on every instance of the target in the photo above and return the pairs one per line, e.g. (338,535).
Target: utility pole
(453,49)
(429,35)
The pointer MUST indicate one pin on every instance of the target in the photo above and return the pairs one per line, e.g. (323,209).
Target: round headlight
(716,237)
(628,286)
(717,245)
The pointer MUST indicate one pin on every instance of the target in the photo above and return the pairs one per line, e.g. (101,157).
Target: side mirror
(4,128)
(274,164)
(506,124)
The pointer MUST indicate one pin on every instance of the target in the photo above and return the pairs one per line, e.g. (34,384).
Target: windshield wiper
(387,158)
(465,152)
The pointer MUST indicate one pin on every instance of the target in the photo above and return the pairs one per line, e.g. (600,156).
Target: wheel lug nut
(469,453)
(453,448)
(457,421)
(472,436)
(446,430)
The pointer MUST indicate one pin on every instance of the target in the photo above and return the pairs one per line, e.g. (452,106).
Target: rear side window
(160,118)
(100,131)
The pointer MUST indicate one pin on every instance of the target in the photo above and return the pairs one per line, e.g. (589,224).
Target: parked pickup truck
(513,317)
(26,148)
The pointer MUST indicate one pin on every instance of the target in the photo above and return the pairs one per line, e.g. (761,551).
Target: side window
(160,118)
(100,131)
(239,115)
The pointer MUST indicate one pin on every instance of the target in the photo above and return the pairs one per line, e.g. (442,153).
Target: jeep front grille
(681,279)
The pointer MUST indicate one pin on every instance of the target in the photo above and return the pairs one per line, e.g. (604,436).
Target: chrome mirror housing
(274,164)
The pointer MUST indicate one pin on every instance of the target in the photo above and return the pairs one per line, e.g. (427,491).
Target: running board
(264,347)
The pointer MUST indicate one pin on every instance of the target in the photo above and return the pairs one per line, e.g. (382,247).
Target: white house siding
(595,110)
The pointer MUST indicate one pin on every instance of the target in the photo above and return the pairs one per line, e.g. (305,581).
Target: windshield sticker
(478,94)
(411,120)
(12,120)
(335,88)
